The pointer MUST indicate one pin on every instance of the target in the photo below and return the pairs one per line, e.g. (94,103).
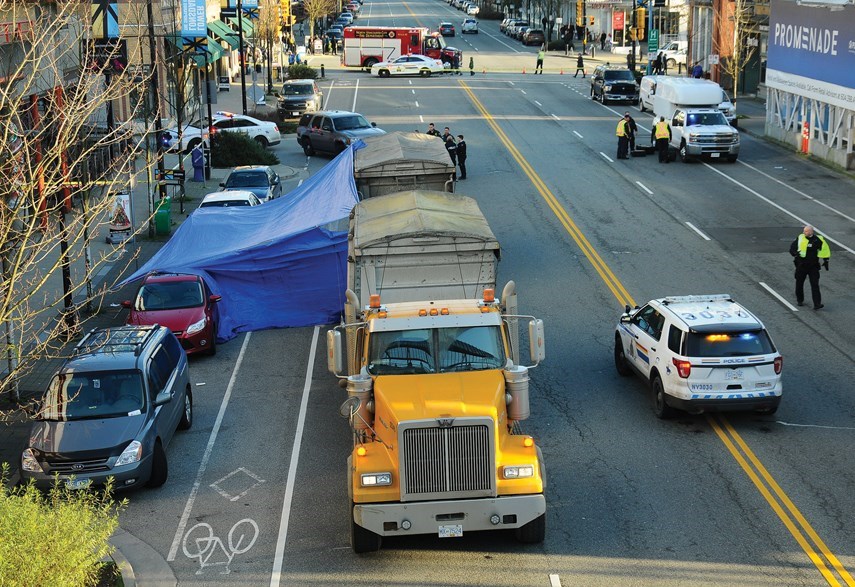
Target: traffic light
(590,21)
(579,21)
(640,23)
(580,12)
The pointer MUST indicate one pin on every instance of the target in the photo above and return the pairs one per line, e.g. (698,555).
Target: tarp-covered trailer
(400,161)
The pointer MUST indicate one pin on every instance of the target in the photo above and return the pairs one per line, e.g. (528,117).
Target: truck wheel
(159,467)
(363,540)
(383,73)
(425,73)
(308,149)
(621,364)
(662,410)
(369,63)
(684,153)
(534,532)
(670,63)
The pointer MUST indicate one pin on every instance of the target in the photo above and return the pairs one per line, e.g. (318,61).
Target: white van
(698,127)
(647,91)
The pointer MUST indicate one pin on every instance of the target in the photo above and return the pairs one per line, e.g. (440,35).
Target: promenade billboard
(811,52)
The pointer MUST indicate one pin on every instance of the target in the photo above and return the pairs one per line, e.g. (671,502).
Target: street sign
(653,41)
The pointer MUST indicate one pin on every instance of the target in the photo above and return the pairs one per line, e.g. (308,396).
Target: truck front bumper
(427,517)
(707,150)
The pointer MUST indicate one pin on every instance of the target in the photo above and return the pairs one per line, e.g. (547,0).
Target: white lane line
(782,423)
(696,229)
(780,299)
(421,118)
(417,103)
(510,82)
(555,117)
(609,159)
(523,91)
(578,135)
(279,557)
(781,208)
(539,104)
(644,187)
(799,192)
(410,81)
(182,524)
(329,95)
(554,580)
(414,92)
(355,92)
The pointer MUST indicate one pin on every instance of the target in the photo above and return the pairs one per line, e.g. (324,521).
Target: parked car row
(521,30)
(466,6)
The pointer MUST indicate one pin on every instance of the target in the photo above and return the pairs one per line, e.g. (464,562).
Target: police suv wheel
(662,410)
(621,364)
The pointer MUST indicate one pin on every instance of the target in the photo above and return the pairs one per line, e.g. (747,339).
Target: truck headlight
(607,88)
(197,326)
(29,462)
(518,471)
(130,455)
(373,479)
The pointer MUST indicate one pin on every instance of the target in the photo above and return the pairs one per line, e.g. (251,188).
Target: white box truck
(698,127)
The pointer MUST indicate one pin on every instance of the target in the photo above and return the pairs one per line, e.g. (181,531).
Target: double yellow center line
(820,555)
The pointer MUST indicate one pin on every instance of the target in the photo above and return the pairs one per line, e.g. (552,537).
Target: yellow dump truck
(436,391)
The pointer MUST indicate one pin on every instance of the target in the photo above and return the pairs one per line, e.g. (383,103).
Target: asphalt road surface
(257,492)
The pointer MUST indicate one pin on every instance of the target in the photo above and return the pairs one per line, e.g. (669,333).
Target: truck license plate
(451,531)
(78,483)
(734,374)
(714,155)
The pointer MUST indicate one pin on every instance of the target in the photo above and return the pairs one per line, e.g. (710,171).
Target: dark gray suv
(111,410)
(298,96)
(331,131)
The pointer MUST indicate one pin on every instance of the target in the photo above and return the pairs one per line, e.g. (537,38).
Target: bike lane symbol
(210,549)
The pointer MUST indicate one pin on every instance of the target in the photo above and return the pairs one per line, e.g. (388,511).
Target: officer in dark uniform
(808,251)
(432,131)
(461,156)
(450,145)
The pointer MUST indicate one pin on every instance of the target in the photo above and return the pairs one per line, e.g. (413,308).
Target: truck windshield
(441,350)
(706,119)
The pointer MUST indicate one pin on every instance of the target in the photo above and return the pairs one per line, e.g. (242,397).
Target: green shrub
(230,149)
(54,538)
(301,71)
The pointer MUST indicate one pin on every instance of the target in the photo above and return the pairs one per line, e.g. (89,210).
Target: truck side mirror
(536,342)
(334,353)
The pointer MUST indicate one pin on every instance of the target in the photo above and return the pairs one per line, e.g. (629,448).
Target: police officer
(450,145)
(623,137)
(662,133)
(633,130)
(539,65)
(808,250)
(461,156)
(432,131)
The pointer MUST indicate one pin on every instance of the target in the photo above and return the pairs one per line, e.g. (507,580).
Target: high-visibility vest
(541,55)
(662,130)
(621,128)
(824,250)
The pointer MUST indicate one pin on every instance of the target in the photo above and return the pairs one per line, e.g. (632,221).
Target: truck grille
(716,139)
(455,461)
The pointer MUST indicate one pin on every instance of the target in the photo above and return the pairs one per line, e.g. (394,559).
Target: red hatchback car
(181,302)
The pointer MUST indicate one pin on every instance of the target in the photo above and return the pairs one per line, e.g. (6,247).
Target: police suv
(700,353)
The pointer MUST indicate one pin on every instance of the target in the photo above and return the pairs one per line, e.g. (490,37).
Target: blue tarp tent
(275,265)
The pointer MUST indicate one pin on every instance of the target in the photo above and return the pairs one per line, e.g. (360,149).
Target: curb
(141,565)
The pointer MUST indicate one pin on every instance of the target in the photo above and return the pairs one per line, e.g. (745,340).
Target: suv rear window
(729,344)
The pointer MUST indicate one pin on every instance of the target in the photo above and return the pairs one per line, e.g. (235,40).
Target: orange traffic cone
(523,70)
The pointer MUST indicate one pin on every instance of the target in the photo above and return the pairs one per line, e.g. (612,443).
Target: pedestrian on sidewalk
(461,156)
(657,64)
(603,41)
(540,55)
(580,66)
(568,41)
(697,70)
(808,251)
(662,134)
(471,65)
(623,138)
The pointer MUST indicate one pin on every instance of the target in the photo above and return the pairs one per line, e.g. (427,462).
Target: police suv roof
(709,313)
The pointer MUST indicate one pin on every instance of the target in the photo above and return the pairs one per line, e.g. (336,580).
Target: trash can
(163,216)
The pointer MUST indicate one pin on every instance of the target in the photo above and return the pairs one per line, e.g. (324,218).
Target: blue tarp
(275,265)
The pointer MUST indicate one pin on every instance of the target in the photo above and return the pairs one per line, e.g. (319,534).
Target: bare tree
(316,9)
(61,155)
(267,33)
(736,40)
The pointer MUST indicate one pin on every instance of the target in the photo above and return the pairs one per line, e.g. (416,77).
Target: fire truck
(366,45)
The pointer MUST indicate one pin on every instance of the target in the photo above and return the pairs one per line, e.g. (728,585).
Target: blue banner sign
(194,19)
(811,52)
(247,4)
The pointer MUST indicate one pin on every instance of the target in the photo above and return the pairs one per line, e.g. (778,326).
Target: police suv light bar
(698,299)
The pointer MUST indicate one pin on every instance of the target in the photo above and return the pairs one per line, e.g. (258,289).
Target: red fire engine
(366,45)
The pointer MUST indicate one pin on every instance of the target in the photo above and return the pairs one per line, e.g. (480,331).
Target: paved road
(721,500)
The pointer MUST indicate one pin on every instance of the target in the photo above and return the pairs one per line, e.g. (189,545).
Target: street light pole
(158,128)
(243,58)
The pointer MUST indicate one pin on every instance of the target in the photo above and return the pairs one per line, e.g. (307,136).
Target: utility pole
(241,52)
(158,128)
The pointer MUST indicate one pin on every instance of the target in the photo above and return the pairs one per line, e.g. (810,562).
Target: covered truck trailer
(401,161)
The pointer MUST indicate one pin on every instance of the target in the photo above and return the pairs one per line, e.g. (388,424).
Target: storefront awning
(248,29)
(224,32)
(213,50)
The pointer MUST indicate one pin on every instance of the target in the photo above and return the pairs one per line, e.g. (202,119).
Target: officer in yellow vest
(808,251)
(623,137)
(662,133)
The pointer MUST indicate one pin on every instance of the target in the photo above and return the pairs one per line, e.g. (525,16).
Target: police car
(700,353)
